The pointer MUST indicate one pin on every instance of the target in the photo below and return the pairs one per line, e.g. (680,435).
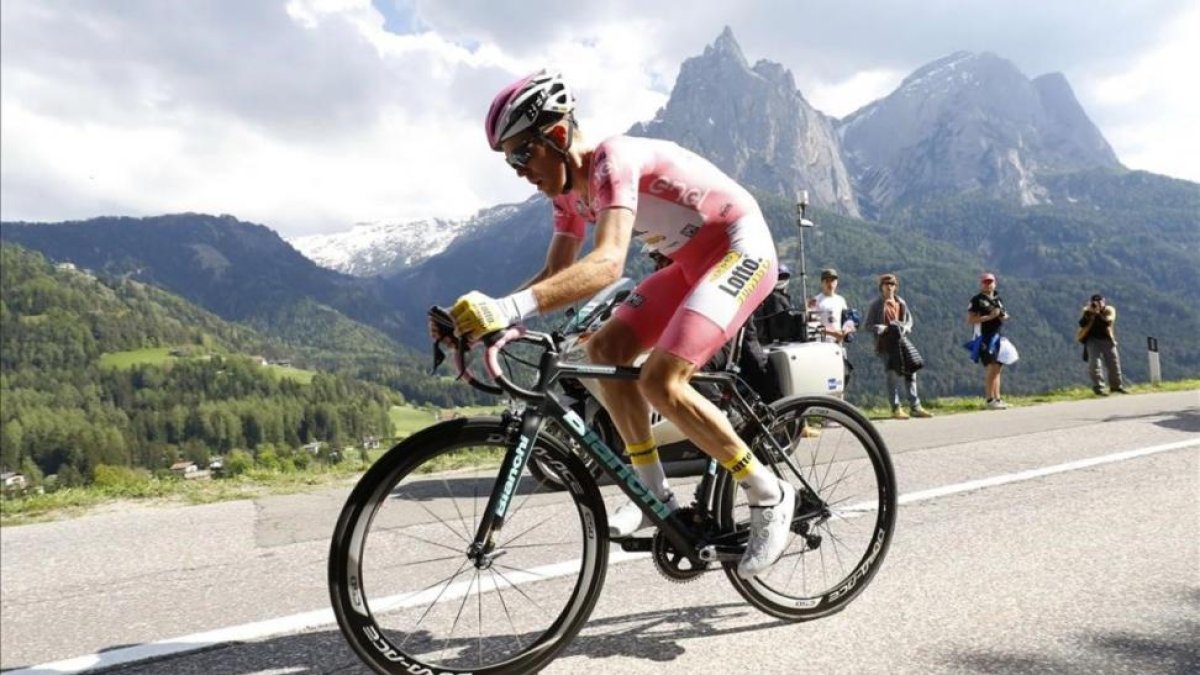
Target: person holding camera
(987,314)
(1097,333)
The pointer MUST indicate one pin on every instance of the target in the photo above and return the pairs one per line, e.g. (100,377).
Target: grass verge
(955,405)
(73,502)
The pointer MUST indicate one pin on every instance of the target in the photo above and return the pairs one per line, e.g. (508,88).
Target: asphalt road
(1092,569)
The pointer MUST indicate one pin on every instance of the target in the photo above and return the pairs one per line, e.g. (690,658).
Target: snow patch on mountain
(373,249)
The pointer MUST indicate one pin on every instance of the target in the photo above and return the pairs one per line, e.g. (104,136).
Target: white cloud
(306,115)
(844,97)
(1149,111)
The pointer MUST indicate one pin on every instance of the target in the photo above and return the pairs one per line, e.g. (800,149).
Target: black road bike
(449,557)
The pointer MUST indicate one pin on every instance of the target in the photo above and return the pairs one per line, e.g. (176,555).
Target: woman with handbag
(892,321)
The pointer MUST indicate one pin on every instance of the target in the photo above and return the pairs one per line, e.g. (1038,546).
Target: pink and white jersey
(673,192)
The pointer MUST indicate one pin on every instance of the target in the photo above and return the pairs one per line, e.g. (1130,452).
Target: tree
(12,436)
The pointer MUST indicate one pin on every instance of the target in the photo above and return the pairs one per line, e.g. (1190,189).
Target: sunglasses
(518,157)
(889,283)
(988,281)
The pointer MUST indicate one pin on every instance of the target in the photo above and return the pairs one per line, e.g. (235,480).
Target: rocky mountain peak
(968,122)
(754,125)
(726,47)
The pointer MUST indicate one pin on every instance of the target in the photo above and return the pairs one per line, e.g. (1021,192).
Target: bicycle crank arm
(722,553)
(635,544)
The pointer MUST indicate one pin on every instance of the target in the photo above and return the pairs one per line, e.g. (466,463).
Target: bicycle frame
(681,536)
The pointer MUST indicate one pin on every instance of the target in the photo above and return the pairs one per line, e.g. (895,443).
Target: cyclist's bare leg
(664,383)
(615,344)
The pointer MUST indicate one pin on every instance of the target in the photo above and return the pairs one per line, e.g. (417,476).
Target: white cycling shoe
(629,518)
(769,527)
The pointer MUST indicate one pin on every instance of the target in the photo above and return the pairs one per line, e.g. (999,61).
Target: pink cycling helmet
(531,102)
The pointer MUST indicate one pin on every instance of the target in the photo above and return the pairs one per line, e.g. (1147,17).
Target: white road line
(1019,476)
(321,618)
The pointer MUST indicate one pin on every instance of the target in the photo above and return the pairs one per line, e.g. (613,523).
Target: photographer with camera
(1097,334)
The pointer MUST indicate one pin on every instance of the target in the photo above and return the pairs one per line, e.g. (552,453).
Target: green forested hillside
(246,273)
(63,413)
(939,273)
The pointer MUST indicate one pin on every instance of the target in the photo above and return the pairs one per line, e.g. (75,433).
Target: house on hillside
(370,442)
(11,481)
(444,415)
(188,470)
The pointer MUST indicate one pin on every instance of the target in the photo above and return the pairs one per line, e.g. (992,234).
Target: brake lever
(444,325)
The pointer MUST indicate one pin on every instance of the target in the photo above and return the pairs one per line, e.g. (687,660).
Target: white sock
(762,487)
(644,457)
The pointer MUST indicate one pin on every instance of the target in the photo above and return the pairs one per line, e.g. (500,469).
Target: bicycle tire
(857,482)
(389,529)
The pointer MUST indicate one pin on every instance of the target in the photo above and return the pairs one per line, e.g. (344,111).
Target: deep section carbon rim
(842,532)
(407,593)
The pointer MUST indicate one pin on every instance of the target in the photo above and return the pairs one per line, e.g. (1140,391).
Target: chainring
(672,564)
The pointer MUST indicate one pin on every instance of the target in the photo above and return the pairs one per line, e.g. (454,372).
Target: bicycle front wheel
(407,595)
(845,508)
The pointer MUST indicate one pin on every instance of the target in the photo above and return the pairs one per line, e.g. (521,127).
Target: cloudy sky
(311,115)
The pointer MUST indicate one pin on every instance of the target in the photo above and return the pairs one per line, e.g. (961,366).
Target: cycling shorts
(714,283)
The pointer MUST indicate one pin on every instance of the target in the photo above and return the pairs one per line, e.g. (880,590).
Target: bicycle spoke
(444,523)
(416,579)
(449,580)
(479,618)
(549,543)
(531,528)
(799,560)
(454,501)
(828,489)
(466,596)
(518,588)
(846,471)
(507,613)
(522,570)
(428,541)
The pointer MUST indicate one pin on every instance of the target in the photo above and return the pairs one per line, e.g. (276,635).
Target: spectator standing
(833,311)
(830,307)
(987,314)
(1097,332)
(891,319)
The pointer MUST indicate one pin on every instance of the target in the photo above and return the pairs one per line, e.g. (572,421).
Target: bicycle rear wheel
(841,529)
(407,596)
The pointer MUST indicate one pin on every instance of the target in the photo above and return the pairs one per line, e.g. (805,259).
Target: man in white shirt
(831,308)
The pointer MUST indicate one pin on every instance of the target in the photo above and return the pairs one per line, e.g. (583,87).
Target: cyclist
(681,206)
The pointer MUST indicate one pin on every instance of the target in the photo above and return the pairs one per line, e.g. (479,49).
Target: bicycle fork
(482,550)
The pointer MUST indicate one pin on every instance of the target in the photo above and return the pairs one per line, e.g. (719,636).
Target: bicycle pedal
(635,544)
